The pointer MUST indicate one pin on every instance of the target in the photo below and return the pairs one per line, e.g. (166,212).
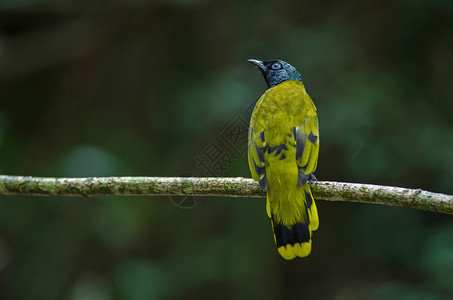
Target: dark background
(129,88)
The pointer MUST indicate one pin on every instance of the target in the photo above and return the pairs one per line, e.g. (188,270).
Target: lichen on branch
(214,186)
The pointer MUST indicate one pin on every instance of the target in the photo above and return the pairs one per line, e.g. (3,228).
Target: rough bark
(228,187)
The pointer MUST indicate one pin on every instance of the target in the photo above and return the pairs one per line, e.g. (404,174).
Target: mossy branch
(228,187)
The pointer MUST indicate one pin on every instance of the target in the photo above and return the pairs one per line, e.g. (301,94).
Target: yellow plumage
(282,152)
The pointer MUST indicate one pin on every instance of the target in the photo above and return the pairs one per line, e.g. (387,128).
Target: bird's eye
(276,66)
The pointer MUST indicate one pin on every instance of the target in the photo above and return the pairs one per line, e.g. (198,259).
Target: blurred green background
(128,88)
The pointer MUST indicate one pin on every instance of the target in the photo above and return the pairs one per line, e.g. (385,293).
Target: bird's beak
(257,63)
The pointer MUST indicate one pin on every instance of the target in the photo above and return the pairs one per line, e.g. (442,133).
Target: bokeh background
(129,88)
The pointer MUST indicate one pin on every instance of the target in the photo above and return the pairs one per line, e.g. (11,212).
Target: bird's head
(276,71)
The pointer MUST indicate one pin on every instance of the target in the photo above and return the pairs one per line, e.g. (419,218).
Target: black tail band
(298,233)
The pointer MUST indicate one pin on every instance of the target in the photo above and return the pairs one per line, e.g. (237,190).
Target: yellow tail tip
(289,251)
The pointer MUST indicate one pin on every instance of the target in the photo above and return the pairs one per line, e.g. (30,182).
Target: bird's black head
(276,71)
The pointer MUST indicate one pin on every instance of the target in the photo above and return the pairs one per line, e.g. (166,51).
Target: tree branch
(229,187)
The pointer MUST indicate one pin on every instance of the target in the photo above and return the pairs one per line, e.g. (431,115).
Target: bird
(283,149)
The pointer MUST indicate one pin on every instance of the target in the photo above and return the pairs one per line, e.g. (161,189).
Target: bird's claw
(312,179)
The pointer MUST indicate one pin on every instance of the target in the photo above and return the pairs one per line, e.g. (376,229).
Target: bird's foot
(312,179)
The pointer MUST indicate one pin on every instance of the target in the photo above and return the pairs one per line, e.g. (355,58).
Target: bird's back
(281,108)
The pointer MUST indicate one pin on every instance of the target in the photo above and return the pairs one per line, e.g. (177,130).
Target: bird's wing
(257,147)
(307,147)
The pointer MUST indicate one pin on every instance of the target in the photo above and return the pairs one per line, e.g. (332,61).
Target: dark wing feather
(256,148)
(307,147)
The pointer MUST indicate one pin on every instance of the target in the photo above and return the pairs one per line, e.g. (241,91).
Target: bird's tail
(293,233)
